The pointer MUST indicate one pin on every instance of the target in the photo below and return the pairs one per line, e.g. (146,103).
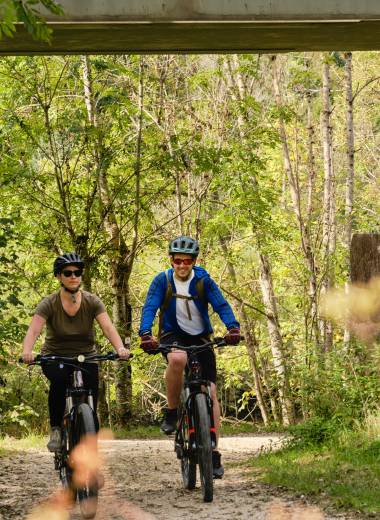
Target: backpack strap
(165,304)
(169,294)
(200,287)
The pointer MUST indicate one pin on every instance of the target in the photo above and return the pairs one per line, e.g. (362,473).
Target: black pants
(59,377)
(206,357)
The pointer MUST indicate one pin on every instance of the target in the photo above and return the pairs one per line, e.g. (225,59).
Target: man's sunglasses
(68,272)
(185,261)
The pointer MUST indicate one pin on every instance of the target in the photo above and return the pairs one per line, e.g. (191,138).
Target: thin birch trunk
(350,154)
(268,384)
(121,257)
(328,206)
(277,346)
(310,158)
(250,341)
(267,289)
(296,201)
(179,201)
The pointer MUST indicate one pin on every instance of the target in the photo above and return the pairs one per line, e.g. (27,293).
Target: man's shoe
(55,441)
(169,424)
(217,467)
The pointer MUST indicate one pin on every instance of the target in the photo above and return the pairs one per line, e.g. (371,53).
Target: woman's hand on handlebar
(28,357)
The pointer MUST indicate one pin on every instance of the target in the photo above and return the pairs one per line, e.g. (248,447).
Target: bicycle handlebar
(81,358)
(217,342)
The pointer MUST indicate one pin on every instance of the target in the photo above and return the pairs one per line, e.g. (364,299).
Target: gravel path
(142,482)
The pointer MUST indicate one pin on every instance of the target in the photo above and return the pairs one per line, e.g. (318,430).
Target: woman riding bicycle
(69,316)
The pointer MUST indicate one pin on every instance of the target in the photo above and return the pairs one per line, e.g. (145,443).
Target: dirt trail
(143,476)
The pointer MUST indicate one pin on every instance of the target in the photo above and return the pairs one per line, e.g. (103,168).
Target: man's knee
(176,362)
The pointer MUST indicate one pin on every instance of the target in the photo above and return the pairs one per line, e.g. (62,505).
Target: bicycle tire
(65,470)
(188,461)
(88,494)
(204,447)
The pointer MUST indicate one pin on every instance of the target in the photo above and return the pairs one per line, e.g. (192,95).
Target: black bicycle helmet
(184,245)
(67,259)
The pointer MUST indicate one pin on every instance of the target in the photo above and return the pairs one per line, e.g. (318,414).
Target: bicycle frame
(76,394)
(193,385)
(195,437)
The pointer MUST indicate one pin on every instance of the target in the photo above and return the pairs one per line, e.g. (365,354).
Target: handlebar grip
(36,358)
(113,356)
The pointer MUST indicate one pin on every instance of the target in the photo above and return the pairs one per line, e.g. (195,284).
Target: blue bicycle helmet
(184,245)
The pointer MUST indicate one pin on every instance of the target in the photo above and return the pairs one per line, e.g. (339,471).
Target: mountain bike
(79,425)
(195,437)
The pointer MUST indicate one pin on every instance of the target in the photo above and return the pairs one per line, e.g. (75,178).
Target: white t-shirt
(188,316)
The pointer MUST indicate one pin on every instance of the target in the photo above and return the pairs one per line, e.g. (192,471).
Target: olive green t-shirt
(69,335)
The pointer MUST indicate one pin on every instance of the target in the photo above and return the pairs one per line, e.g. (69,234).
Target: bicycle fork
(186,439)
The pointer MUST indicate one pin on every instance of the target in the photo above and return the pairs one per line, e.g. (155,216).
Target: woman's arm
(34,330)
(112,335)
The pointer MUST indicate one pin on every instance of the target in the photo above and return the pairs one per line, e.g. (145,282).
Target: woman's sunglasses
(68,272)
(185,261)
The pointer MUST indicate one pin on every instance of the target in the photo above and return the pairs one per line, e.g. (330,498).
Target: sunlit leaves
(28,13)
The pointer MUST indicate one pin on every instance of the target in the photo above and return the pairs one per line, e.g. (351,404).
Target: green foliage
(28,13)
(19,417)
(210,144)
(314,431)
(342,469)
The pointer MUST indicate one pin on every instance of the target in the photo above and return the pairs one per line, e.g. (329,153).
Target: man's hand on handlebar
(233,337)
(149,344)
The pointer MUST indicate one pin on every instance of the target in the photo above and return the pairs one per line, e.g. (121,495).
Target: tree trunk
(364,257)
(328,206)
(296,200)
(250,340)
(266,281)
(121,257)
(350,153)
(310,158)
(277,346)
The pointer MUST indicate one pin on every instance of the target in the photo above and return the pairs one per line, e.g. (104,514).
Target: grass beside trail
(154,432)
(345,470)
(9,445)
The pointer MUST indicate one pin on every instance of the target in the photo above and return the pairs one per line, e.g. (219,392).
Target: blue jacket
(212,293)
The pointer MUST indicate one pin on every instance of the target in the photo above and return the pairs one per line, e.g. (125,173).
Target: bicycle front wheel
(86,476)
(203,436)
(188,460)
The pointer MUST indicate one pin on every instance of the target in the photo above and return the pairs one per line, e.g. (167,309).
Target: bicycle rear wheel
(87,489)
(202,430)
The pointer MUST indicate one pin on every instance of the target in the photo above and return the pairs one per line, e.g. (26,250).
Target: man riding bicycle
(183,293)
(69,316)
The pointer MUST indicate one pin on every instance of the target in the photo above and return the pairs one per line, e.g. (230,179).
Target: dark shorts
(206,357)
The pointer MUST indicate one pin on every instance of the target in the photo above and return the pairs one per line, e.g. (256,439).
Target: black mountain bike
(195,437)
(79,422)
